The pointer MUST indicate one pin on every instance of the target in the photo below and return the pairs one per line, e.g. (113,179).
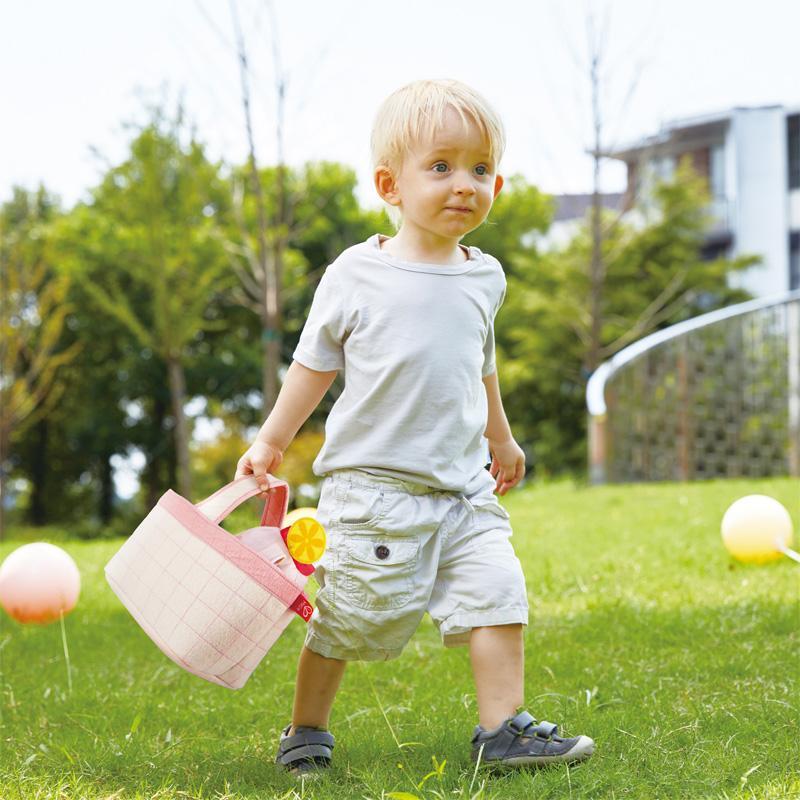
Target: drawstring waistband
(469,505)
(356,475)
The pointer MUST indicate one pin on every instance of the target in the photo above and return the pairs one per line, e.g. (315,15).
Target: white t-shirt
(414,341)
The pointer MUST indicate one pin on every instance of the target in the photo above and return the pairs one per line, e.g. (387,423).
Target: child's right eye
(440,164)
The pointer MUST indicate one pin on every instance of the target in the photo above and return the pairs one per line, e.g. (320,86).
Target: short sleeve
(321,341)
(489,364)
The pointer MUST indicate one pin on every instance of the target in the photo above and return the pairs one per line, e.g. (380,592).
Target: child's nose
(463,184)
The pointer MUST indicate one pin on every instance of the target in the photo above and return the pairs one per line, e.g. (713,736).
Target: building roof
(680,127)
(575,206)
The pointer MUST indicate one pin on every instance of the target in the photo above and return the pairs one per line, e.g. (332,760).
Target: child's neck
(411,246)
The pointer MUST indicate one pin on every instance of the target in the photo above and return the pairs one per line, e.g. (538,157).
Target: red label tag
(302,607)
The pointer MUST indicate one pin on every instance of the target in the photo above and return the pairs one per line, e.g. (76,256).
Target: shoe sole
(311,774)
(580,751)
(298,772)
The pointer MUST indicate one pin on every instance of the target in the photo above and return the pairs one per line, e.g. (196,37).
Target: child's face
(447,183)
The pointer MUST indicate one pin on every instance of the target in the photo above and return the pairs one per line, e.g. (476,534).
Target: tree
(32,312)
(159,210)
(655,275)
(326,219)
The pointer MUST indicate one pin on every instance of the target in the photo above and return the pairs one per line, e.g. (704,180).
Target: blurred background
(175,177)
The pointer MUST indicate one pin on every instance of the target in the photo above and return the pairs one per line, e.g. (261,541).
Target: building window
(663,167)
(794,260)
(714,249)
(793,129)
(700,160)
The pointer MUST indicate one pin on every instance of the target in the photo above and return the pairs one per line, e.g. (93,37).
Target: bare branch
(251,286)
(658,310)
(239,296)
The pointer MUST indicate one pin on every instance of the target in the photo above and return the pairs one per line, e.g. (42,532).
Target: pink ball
(38,582)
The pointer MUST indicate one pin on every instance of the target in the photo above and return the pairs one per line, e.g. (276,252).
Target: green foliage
(211,461)
(298,459)
(157,211)
(324,219)
(150,276)
(655,275)
(147,275)
(35,353)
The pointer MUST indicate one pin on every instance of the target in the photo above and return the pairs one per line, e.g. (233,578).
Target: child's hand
(259,459)
(508,464)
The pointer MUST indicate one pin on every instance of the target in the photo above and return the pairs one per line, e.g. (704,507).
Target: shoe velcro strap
(519,723)
(309,751)
(307,737)
(544,730)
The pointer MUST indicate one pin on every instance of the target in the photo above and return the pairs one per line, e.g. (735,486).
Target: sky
(74,73)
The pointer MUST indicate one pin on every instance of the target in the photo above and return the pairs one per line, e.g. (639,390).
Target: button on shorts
(397,549)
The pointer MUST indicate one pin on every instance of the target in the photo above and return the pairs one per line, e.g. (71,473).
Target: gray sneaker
(521,740)
(307,751)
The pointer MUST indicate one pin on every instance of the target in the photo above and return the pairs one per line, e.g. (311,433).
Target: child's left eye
(482,167)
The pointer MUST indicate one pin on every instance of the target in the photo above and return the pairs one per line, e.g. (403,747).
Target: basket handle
(218,505)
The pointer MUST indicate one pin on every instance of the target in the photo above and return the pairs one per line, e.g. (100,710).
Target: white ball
(753,527)
(39,582)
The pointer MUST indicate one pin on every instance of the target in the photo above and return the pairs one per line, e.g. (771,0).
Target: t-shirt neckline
(474,257)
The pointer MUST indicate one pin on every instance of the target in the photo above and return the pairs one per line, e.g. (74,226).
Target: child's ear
(386,185)
(498,185)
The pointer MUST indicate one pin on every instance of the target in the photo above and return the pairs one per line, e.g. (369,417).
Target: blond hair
(418,109)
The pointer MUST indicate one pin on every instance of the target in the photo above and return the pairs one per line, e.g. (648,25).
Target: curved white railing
(596,387)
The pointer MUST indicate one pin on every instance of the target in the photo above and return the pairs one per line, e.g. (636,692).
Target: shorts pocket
(379,571)
(360,506)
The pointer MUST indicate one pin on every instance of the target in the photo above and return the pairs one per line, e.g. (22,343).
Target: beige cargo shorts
(397,549)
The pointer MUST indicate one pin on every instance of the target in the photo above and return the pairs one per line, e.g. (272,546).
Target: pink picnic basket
(214,602)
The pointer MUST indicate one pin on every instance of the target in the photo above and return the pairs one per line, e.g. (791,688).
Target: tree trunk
(37,512)
(152,472)
(273,312)
(596,267)
(270,267)
(177,389)
(106,507)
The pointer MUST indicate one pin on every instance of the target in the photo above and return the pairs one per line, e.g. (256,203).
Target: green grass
(680,663)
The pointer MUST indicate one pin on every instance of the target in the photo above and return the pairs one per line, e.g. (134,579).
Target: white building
(751,158)
(570,214)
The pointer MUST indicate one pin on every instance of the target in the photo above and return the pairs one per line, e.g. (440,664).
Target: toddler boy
(413,524)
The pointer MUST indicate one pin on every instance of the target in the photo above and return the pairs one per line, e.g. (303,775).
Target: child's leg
(318,680)
(497,663)
(497,657)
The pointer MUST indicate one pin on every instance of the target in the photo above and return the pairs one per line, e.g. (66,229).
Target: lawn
(680,663)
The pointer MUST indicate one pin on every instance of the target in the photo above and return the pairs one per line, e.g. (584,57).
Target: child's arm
(301,393)
(302,390)
(508,458)
(497,427)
